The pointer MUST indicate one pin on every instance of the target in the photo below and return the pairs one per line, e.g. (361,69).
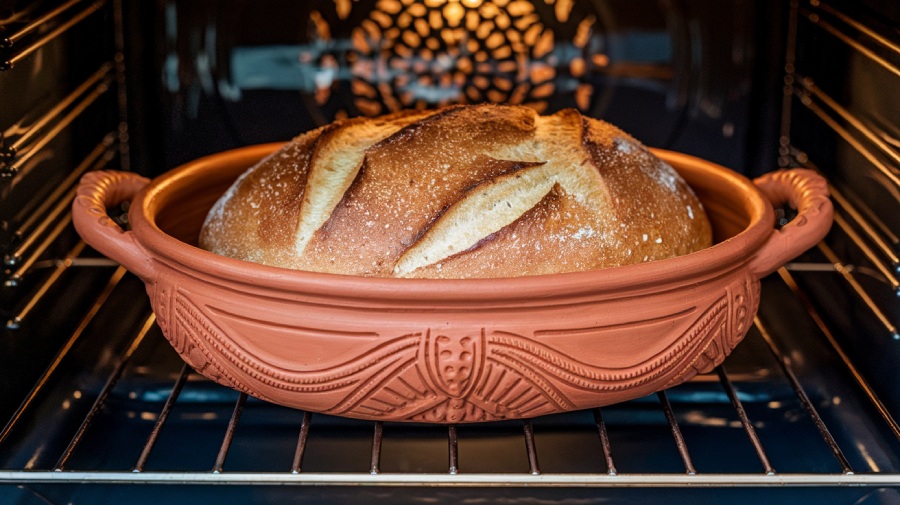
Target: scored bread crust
(464,191)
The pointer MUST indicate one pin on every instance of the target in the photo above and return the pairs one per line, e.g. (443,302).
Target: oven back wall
(205,78)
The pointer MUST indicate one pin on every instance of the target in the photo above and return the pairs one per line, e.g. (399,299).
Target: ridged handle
(807,192)
(98,191)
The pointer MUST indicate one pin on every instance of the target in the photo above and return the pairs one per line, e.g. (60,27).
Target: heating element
(96,407)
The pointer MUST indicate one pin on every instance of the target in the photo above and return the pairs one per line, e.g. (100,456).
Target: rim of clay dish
(727,255)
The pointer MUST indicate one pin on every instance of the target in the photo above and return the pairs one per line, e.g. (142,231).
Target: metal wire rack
(106,398)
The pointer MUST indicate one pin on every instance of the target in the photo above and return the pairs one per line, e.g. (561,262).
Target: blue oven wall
(122,494)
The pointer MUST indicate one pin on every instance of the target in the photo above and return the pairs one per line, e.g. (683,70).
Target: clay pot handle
(807,192)
(98,191)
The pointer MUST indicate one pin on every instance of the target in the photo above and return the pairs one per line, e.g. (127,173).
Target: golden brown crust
(259,212)
(397,194)
(466,191)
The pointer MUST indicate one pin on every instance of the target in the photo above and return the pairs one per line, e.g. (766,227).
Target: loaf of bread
(464,191)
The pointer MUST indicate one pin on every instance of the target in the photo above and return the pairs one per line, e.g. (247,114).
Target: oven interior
(96,407)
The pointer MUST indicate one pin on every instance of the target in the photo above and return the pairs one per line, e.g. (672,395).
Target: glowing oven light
(426,53)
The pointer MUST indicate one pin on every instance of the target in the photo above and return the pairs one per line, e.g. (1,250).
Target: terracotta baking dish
(449,351)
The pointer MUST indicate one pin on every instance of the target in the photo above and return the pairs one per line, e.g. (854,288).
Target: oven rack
(23,463)
(55,129)
(865,132)
(27,39)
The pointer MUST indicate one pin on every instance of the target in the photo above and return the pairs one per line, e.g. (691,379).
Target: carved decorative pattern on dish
(742,299)
(451,375)
(190,331)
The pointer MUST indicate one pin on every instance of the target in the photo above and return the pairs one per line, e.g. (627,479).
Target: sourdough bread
(465,191)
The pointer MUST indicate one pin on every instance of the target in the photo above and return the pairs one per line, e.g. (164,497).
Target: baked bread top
(464,191)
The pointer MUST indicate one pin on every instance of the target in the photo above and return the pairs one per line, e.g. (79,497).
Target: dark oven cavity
(96,407)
